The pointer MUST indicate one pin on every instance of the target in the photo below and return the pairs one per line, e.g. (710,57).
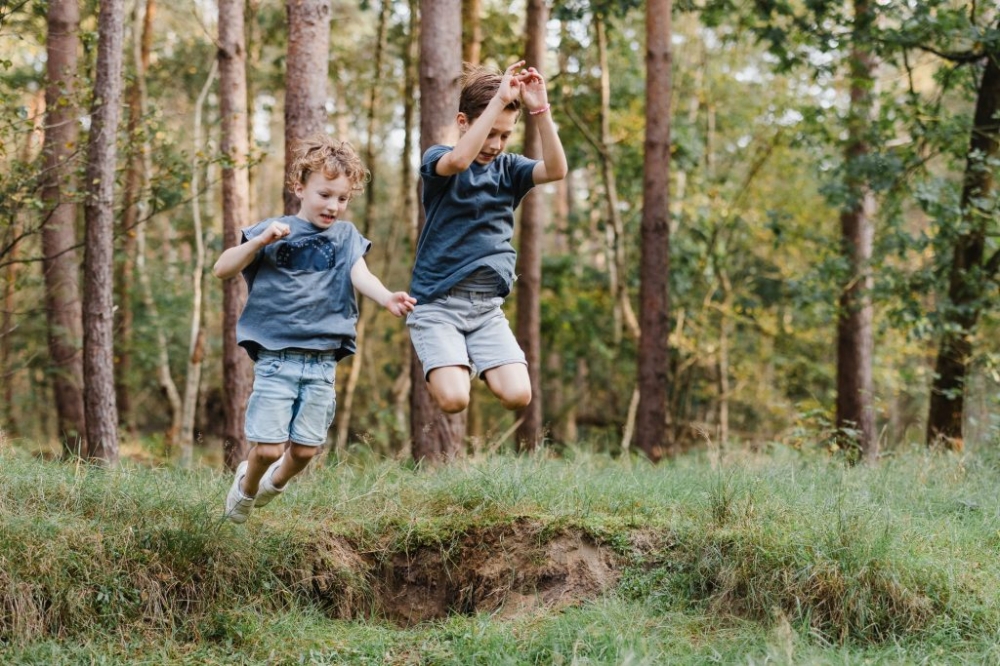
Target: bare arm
(238,257)
(553,165)
(398,303)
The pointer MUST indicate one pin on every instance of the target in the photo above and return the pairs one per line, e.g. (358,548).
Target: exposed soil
(510,569)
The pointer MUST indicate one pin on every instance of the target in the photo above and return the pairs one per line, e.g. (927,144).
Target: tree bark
(855,414)
(614,227)
(472,24)
(196,343)
(654,263)
(529,285)
(402,387)
(125,265)
(237,377)
(436,436)
(365,311)
(63,310)
(98,302)
(970,271)
(306,70)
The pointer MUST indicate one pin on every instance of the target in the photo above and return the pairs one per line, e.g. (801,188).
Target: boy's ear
(462,119)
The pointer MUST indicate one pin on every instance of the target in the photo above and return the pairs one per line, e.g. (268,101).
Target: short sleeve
(357,246)
(522,171)
(246,234)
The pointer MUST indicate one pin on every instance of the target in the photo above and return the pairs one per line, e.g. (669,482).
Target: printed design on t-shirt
(315,253)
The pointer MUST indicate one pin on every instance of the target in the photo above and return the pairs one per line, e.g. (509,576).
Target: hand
(276,231)
(510,84)
(400,303)
(533,92)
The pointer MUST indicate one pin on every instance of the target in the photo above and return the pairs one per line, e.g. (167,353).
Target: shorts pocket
(329,371)
(267,367)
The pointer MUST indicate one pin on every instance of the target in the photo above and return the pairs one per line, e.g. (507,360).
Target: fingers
(530,75)
(512,68)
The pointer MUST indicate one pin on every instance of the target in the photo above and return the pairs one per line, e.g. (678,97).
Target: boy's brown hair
(323,154)
(479,85)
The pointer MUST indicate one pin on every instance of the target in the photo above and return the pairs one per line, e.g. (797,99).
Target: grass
(781,557)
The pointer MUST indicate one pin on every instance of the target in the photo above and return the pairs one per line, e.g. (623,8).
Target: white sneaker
(238,505)
(267,490)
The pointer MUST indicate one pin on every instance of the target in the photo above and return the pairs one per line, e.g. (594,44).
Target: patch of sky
(263,110)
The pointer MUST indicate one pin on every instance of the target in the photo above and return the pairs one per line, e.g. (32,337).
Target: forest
(825,271)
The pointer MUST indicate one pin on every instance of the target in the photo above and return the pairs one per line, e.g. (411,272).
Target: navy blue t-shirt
(300,294)
(469,222)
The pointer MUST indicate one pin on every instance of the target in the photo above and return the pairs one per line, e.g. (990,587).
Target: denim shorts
(293,397)
(465,328)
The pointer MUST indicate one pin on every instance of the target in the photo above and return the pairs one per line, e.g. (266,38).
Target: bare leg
(260,458)
(511,384)
(450,386)
(295,460)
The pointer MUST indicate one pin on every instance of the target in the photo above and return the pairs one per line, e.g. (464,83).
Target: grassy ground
(778,558)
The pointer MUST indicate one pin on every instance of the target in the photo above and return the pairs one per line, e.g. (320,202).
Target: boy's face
(497,139)
(323,199)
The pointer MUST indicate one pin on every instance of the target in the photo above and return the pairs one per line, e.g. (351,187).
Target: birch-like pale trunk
(614,226)
(365,310)
(196,344)
(142,36)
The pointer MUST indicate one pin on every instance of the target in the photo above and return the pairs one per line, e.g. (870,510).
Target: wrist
(540,110)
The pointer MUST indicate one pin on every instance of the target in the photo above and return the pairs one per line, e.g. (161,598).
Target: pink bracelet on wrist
(540,110)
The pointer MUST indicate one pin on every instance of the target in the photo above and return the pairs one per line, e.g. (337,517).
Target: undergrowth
(780,558)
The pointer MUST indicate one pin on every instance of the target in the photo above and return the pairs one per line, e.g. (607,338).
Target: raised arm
(238,257)
(553,165)
(471,142)
(398,303)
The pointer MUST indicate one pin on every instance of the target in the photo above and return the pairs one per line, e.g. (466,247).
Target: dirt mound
(509,569)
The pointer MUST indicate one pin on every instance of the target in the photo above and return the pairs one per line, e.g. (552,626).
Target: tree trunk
(306,69)
(654,263)
(125,265)
(98,301)
(402,387)
(529,285)
(196,343)
(615,228)
(365,311)
(970,274)
(855,413)
(237,376)
(436,436)
(63,310)
(16,233)
(472,23)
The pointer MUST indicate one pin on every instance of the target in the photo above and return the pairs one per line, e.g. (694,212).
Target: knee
(516,399)
(268,453)
(301,453)
(451,402)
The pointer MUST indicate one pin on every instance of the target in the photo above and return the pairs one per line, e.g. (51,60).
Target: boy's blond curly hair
(479,84)
(323,154)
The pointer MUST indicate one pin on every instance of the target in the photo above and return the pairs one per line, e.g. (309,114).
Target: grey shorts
(465,328)
(293,397)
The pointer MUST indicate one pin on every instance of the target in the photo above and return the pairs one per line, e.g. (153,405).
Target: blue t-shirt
(469,222)
(300,294)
